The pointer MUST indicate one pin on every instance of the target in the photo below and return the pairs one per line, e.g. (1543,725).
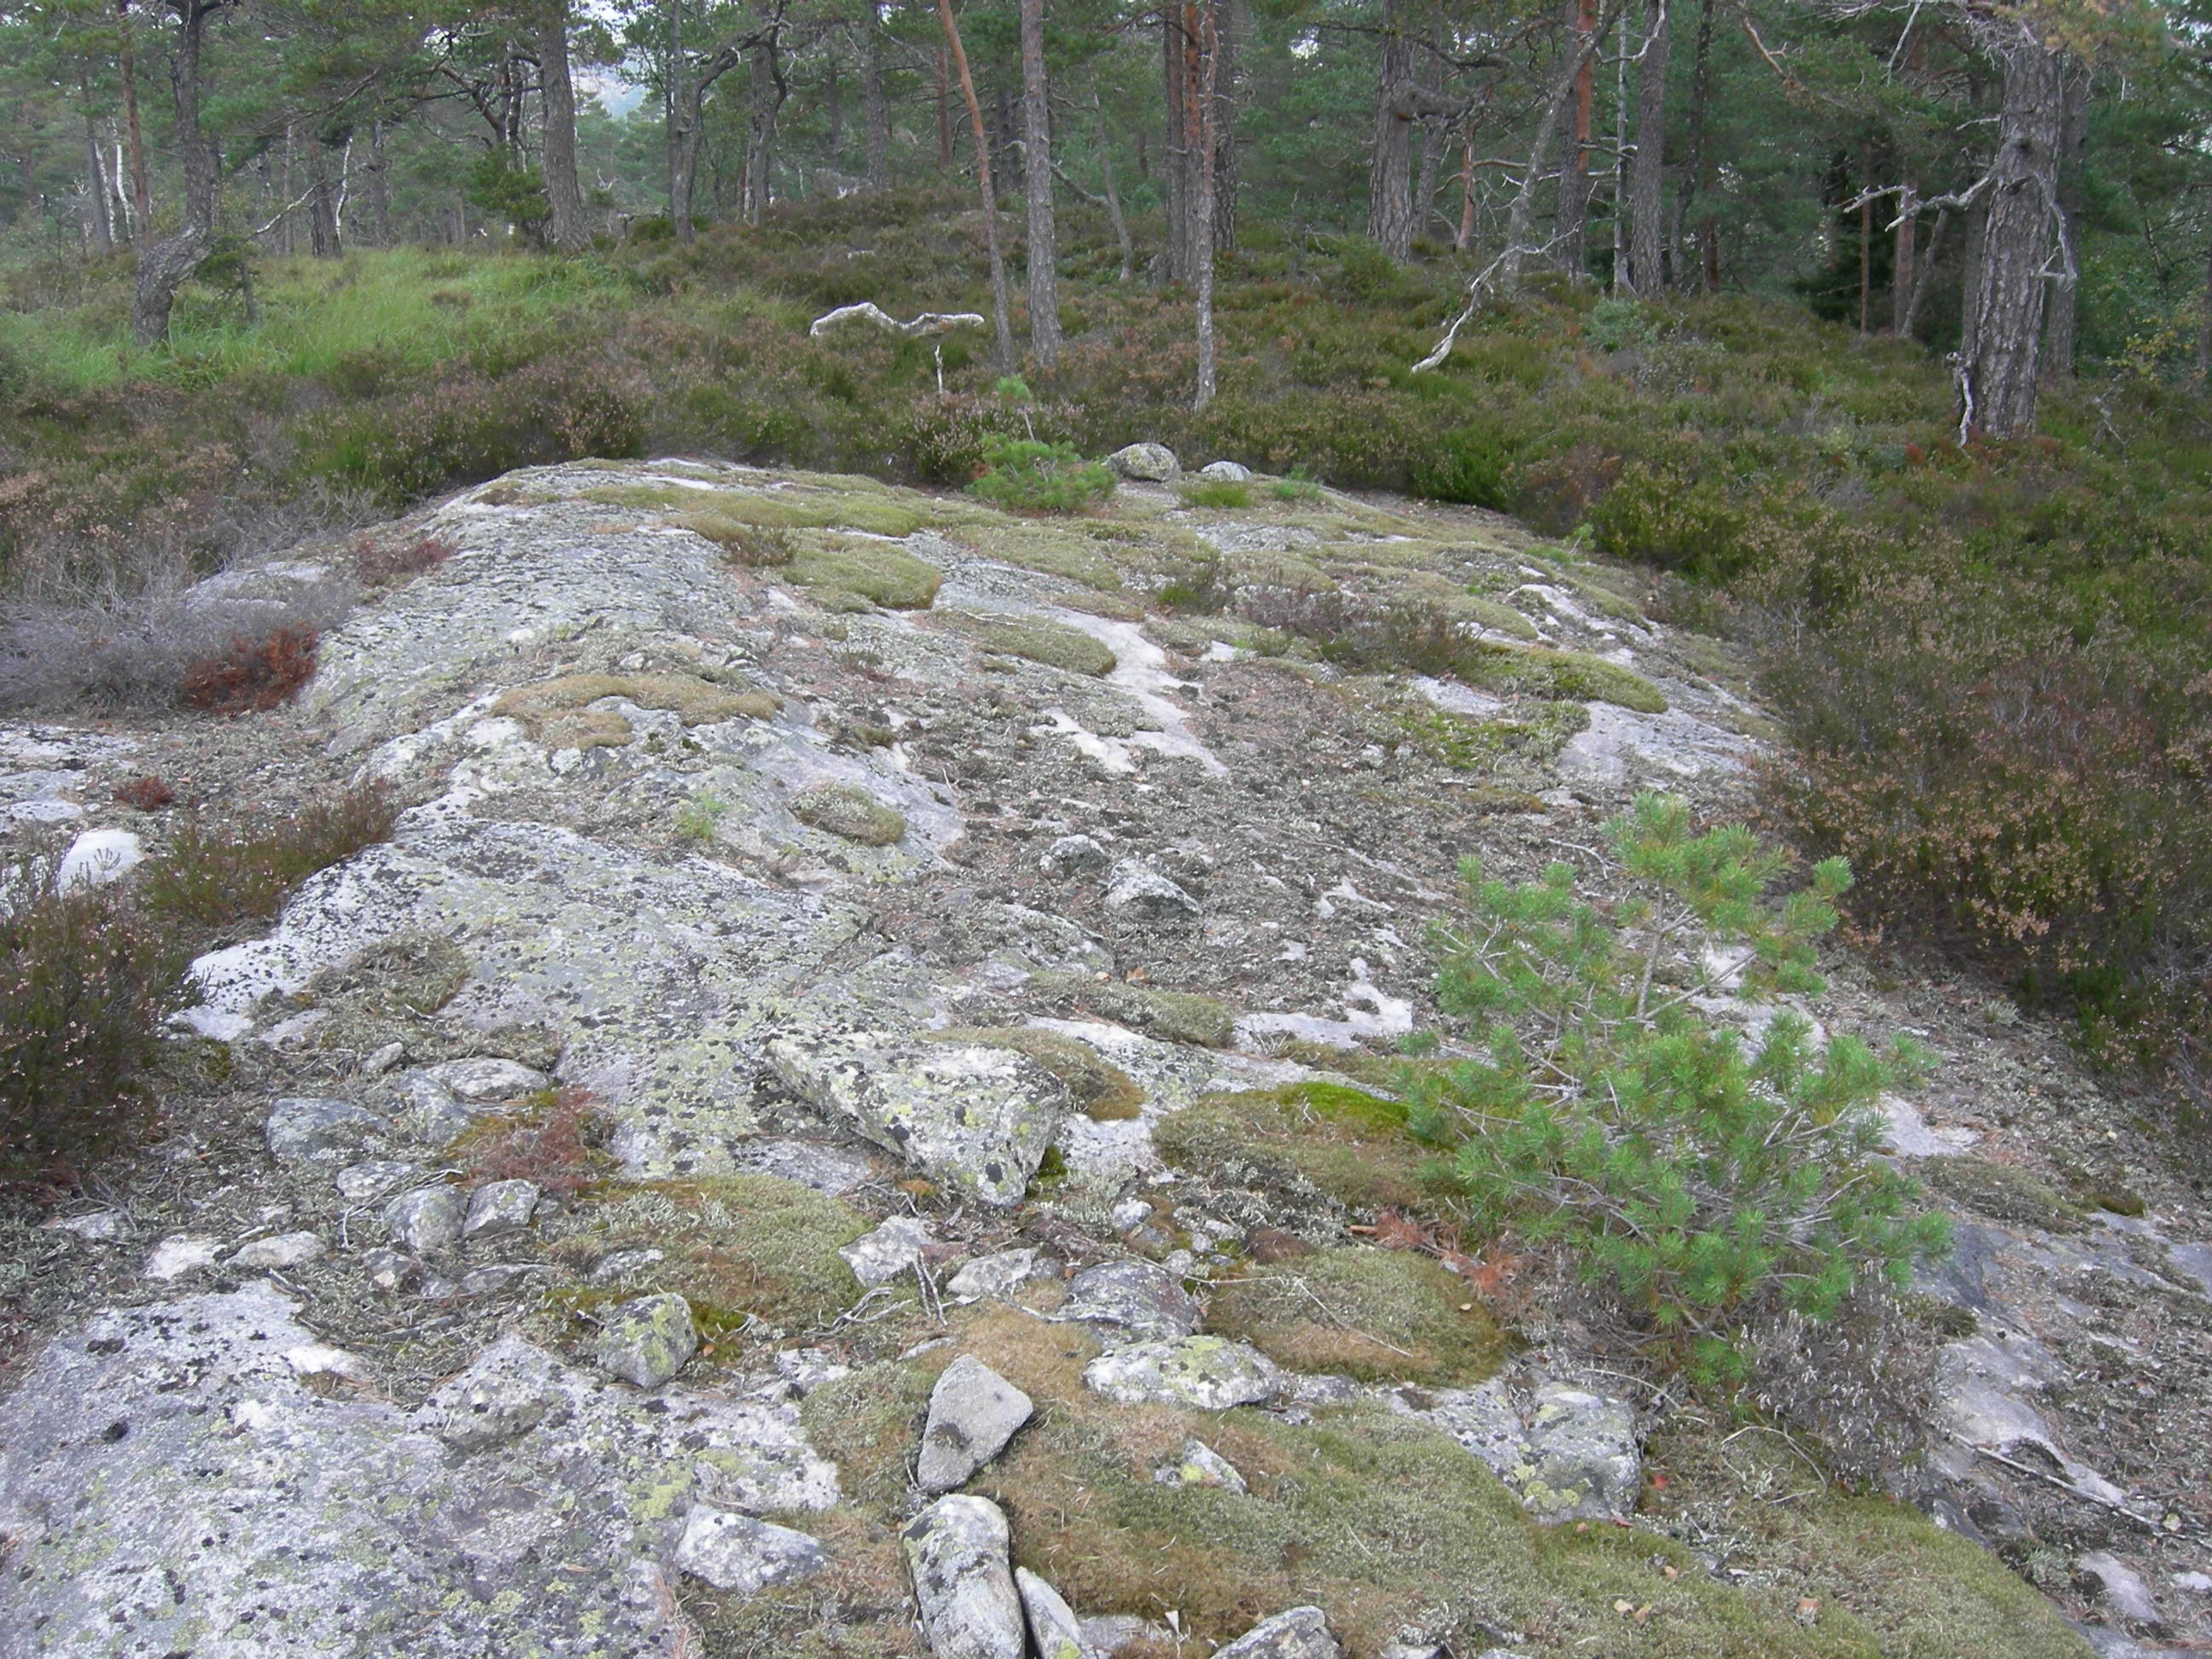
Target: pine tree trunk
(1647,271)
(769,90)
(1002,328)
(164,266)
(1036,180)
(1229,23)
(1998,377)
(563,195)
(1571,228)
(142,197)
(1113,196)
(376,189)
(322,200)
(1523,212)
(877,110)
(683,141)
(2058,322)
(1389,168)
(1903,280)
(944,110)
(1424,184)
(1694,182)
(1202,218)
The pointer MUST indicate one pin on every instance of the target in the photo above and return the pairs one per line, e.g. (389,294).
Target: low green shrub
(1216,492)
(1699,1180)
(1026,475)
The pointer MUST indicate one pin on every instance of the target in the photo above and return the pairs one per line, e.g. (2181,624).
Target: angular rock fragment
(178,1255)
(284,1250)
(1225,472)
(430,1112)
(878,1257)
(1131,1302)
(364,1182)
(646,1341)
(993,1275)
(304,1129)
(1139,891)
(1300,1633)
(475,1412)
(1055,1631)
(500,1207)
(1072,855)
(957,1551)
(736,1552)
(977,1119)
(973,1412)
(1203,1373)
(2121,1588)
(428,1219)
(487,1079)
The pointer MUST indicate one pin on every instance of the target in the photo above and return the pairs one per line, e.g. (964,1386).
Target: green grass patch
(848,812)
(1378,1314)
(872,571)
(1350,1145)
(1034,639)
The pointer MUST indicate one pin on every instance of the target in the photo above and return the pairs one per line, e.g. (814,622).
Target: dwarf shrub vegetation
(1697,1178)
(1026,475)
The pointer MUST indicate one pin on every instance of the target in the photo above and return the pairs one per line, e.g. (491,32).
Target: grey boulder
(955,1550)
(1200,1465)
(1072,855)
(879,1256)
(1001,1274)
(978,1120)
(1131,1302)
(973,1412)
(647,1341)
(500,1207)
(1300,1633)
(1225,472)
(1146,462)
(736,1552)
(310,1128)
(1138,891)
(1201,1373)
(284,1250)
(488,1080)
(1583,1447)
(428,1219)
(488,1408)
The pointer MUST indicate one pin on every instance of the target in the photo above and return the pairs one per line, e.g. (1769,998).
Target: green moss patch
(873,571)
(852,813)
(1373,1313)
(1534,731)
(556,708)
(1047,549)
(1102,1090)
(733,1245)
(1570,674)
(1170,1016)
(1051,643)
(1351,1145)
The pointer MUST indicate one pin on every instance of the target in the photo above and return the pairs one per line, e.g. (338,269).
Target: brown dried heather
(253,675)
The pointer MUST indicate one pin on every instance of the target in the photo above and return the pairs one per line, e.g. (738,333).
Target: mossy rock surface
(1052,644)
(1378,1314)
(556,708)
(1170,1016)
(873,571)
(2000,1192)
(1056,552)
(1534,731)
(1349,1145)
(846,811)
(1102,1090)
(732,1245)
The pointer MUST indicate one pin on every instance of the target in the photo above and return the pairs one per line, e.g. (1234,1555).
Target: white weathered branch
(930,322)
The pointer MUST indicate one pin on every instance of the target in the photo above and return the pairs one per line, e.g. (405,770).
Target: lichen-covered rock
(1584,1461)
(1138,891)
(178,1255)
(1227,472)
(999,1275)
(1055,1631)
(973,1412)
(477,1411)
(170,1463)
(1300,1633)
(498,1207)
(978,1119)
(1131,1302)
(737,1553)
(646,1341)
(955,1550)
(853,813)
(488,1078)
(303,1128)
(1201,1373)
(1146,462)
(428,1219)
(1073,855)
(1200,1465)
(367,1181)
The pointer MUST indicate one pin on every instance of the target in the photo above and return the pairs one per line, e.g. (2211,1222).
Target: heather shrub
(1696,1177)
(215,876)
(86,981)
(252,674)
